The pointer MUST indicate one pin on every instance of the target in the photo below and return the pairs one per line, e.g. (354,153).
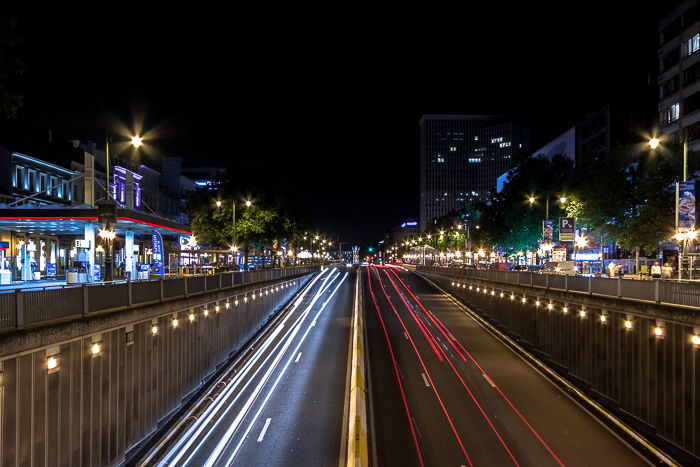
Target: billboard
(157,247)
(685,208)
(547,232)
(567,229)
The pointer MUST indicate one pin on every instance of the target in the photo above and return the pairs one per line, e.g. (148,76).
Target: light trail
(281,374)
(484,373)
(223,442)
(427,373)
(203,420)
(396,368)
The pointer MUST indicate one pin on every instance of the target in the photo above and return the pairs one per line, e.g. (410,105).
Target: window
(45,184)
(670,59)
(671,86)
(671,31)
(440,158)
(453,149)
(690,75)
(475,159)
(691,104)
(19,173)
(496,140)
(33,181)
(672,113)
(692,45)
(505,145)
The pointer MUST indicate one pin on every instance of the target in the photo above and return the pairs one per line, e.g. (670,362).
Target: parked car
(559,267)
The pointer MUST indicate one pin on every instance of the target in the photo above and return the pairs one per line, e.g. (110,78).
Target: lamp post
(653,144)
(108,237)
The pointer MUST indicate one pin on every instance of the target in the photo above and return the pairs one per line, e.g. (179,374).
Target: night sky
(326,101)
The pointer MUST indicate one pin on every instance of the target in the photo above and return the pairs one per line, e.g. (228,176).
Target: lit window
(497,140)
(692,45)
(476,138)
(453,148)
(675,111)
(440,158)
(505,144)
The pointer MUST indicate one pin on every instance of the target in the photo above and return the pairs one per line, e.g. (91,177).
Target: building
(461,157)
(679,72)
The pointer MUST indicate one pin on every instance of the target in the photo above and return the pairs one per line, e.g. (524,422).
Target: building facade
(679,73)
(461,157)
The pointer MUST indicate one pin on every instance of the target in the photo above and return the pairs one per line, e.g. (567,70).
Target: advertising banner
(685,209)
(547,232)
(97,272)
(157,247)
(567,229)
(50,269)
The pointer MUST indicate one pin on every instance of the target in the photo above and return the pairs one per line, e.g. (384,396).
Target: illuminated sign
(82,243)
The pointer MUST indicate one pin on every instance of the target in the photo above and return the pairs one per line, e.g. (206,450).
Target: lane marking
(313,323)
(425,380)
(405,335)
(264,430)
(489,380)
(298,357)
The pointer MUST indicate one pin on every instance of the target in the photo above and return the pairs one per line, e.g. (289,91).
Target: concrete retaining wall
(90,409)
(651,381)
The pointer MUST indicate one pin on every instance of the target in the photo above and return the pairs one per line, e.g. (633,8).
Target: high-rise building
(679,72)
(461,156)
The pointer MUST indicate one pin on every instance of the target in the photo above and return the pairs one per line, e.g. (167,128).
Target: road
(284,405)
(444,391)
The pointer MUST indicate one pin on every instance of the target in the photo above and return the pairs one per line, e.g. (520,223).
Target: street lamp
(108,237)
(581,243)
(653,144)
(233,215)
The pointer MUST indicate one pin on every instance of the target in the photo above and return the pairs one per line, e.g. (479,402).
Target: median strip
(357,452)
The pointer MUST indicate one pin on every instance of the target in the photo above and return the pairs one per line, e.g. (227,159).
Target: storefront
(46,242)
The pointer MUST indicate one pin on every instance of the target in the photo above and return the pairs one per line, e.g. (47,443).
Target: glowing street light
(654,143)
(136,141)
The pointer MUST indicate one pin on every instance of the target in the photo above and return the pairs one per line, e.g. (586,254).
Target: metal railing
(685,294)
(20,308)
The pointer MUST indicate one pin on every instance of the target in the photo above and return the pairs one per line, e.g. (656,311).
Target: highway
(444,391)
(283,404)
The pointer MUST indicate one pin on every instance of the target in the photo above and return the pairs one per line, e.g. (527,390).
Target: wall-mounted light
(628,324)
(695,339)
(175,322)
(659,332)
(512,297)
(565,310)
(96,348)
(603,318)
(154,329)
(537,302)
(550,306)
(206,312)
(191,317)
(217,308)
(524,300)
(582,314)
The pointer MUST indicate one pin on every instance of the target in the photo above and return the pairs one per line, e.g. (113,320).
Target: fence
(685,294)
(21,308)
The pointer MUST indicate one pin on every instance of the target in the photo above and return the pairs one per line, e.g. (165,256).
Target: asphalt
(444,391)
(286,407)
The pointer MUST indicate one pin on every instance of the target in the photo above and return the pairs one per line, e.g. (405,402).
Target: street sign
(547,232)
(685,209)
(157,247)
(567,229)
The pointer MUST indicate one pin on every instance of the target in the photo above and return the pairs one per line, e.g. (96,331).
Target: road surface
(443,391)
